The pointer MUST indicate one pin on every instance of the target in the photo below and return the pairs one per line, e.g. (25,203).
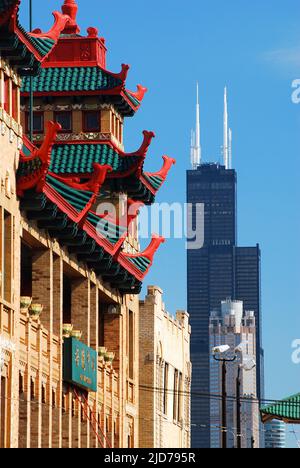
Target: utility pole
(224,406)
(238,410)
(224,361)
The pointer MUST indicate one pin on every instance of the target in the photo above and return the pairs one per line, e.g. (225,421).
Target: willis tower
(217,271)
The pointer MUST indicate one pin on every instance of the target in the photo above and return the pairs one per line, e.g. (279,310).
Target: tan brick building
(61,281)
(165,375)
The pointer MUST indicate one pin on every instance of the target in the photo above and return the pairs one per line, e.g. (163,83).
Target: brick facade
(165,374)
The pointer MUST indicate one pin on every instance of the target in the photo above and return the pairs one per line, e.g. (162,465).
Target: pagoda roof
(86,80)
(77,67)
(25,50)
(287,410)
(67,209)
(72,160)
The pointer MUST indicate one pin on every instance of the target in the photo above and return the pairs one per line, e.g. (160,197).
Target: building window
(180,389)
(7,256)
(6,97)
(113,127)
(166,384)
(43,394)
(101,323)
(26,270)
(130,344)
(15,102)
(38,122)
(91,121)
(175,396)
(3,414)
(67,299)
(21,384)
(32,390)
(121,133)
(65,120)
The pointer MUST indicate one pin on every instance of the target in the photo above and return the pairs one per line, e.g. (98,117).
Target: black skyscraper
(218,271)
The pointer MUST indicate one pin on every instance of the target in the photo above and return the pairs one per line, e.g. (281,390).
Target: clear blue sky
(253,48)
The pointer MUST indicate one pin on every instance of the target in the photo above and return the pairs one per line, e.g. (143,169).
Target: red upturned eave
(38,178)
(54,33)
(60,22)
(149,252)
(163,173)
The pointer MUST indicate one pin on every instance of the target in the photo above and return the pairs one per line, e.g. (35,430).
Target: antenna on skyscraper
(225,135)
(230,148)
(196,138)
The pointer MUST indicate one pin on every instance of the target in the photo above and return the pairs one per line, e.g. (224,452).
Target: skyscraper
(232,327)
(219,270)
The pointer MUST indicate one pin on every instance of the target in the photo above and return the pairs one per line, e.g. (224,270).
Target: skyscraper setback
(216,272)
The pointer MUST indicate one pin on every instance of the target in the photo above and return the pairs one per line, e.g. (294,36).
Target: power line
(217,396)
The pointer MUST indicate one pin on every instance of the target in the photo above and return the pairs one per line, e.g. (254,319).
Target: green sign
(80,364)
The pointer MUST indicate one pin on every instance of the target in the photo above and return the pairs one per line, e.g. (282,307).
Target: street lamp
(215,351)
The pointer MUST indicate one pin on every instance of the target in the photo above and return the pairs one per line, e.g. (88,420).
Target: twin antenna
(196,154)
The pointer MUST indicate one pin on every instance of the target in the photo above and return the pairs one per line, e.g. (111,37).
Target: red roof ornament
(147,254)
(139,94)
(54,33)
(43,154)
(70,8)
(168,163)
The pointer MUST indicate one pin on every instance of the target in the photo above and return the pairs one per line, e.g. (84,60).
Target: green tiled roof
(43,46)
(28,167)
(77,198)
(68,79)
(134,100)
(288,409)
(141,263)
(107,229)
(26,151)
(154,181)
(79,159)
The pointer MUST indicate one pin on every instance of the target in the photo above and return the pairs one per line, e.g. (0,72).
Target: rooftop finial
(70,8)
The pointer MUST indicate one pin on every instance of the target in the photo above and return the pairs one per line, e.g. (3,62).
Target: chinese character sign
(80,364)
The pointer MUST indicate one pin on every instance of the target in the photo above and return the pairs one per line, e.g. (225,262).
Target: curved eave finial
(122,76)
(139,94)
(44,154)
(150,250)
(143,150)
(148,137)
(163,173)
(70,8)
(60,22)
